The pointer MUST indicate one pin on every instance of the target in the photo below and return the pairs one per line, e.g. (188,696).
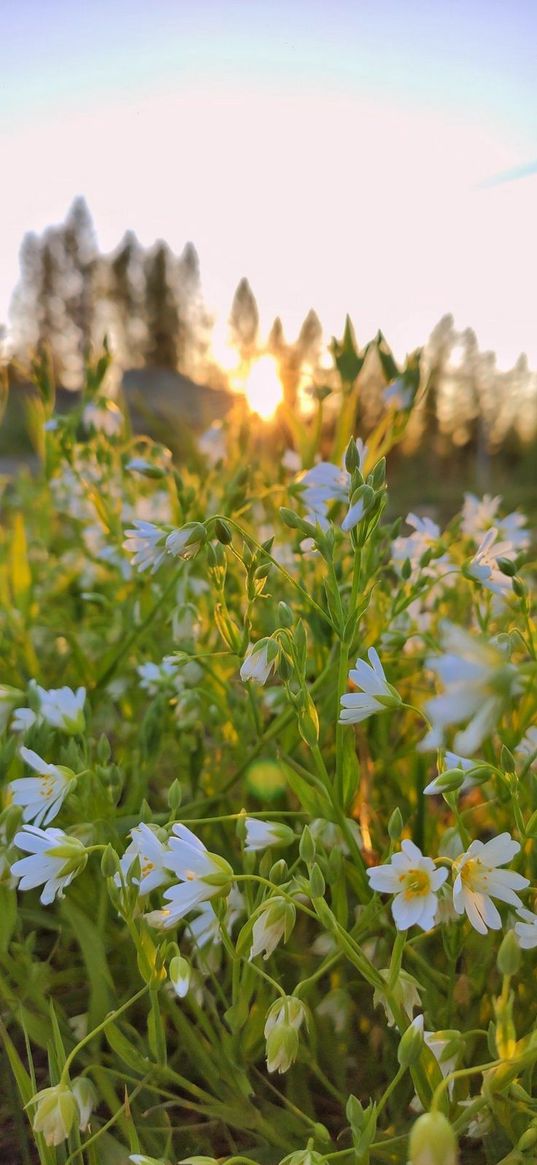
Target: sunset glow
(263,388)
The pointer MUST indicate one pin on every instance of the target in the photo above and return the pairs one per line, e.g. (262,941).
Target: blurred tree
(126,290)
(244,322)
(165,341)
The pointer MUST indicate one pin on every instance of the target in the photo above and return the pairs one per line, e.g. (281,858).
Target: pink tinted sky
(338,155)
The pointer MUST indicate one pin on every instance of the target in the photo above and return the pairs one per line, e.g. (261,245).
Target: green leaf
(94,955)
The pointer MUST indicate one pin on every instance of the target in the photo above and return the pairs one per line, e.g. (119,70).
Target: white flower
(23,719)
(479,514)
(202,875)
(146,542)
(260,659)
(526,930)
(398,394)
(483,567)
(405,992)
(260,834)
(377,694)
(275,921)
(186,540)
(62,708)
(212,443)
(329,834)
(41,797)
(55,1113)
(86,1098)
(155,676)
(453,761)
(478,680)
(103,416)
(282,1025)
(527,748)
(56,858)
(152,855)
(478,881)
(327,483)
(415,881)
(205,927)
(438,1042)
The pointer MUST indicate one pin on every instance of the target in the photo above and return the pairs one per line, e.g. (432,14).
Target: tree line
(149,302)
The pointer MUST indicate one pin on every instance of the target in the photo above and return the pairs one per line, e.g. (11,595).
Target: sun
(263,387)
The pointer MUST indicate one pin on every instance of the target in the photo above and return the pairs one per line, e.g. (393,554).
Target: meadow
(268,762)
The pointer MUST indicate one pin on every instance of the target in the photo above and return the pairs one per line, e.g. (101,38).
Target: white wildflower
(415,882)
(479,514)
(398,395)
(41,797)
(405,992)
(202,875)
(146,542)
(377,694)
(527,747)
(186,541)
(156,676)
(146,848)
(478,881)
(260,834)
(478,681)
(453,761)
(55,1113)
(282,1025)
(483,567)
(260,660)
(56,858)
(274,922)
(103,416)
(62,708)
(526,929)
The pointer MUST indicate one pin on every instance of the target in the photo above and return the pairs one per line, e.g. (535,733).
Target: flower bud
(509,956)
(306,847)
(395,825)
(432,1141)
(282,1048)
(86,1098)
(223,532)
(180,973)
(317,882)
(55,1113)
(411,1043)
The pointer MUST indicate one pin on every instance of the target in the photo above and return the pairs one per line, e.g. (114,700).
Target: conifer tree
(244,322)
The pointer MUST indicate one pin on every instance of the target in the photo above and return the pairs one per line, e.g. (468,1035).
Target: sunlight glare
(263,388)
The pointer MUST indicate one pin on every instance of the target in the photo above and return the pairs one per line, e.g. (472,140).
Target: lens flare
(263,388)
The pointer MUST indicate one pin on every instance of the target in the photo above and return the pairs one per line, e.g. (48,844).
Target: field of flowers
(269,803)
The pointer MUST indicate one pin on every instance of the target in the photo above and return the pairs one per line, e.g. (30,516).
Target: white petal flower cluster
(62,708)
(274,922)
(202,875)
(415,881)
(376,694)
(478,682)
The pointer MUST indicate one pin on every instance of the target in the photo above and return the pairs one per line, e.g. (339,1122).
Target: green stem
(248,538)
(110,1018)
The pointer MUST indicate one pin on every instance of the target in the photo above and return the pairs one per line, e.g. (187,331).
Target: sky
(377,158)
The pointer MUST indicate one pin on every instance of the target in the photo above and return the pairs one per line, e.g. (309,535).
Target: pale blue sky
(337,153)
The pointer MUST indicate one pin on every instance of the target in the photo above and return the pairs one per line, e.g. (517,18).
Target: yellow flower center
(474,875)
(46,787)
(416,883)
